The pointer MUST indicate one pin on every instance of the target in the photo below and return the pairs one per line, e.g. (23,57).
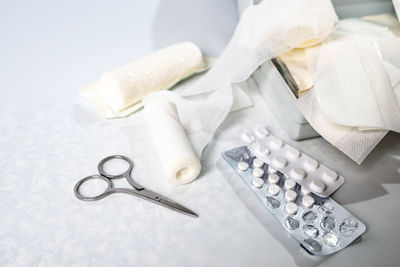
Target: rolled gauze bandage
(180,162)
(119,92)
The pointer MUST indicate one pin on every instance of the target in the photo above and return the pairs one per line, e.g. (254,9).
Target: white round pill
(279,162)
(247,137)
(293,153)
(243,166)
(273,178)
(258,163)
(262,151)
(257,182)
(257,172)
(330,176)
(290,195)
(305,191)
(317,186)
(261,132)
(311,164)
(291,208)
(276,143)
(297,174)
(289,184)
(271,170)
(273,189)
(308,201)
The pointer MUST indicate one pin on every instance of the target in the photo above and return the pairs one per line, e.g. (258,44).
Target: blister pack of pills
(319,224)
(306,171)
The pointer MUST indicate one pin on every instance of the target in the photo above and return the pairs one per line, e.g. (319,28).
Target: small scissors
(137,190)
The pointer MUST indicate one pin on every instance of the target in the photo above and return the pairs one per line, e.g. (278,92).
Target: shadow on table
(364,182)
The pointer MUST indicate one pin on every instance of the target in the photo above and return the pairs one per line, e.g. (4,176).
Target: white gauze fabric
(353,103)
(354,143)
(352,85)
(180,162)
(119,92)
(264,31)
(396,4)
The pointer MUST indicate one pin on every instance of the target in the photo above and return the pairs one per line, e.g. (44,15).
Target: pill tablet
(273,178)
(257,172)
(308,201)
(297,174)
(311,164)
(247,137)
(273,189)
(289,184)
(305,191)
(276,143)
(290,195)
(262,151)
(243,166)
(279,162)
(261,132)
(258,163)
(317,186)
(330,176)
(293,153)
(271,170)
(257,182)
(291,208)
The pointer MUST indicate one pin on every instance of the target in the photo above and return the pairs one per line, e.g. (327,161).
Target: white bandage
(180,162)
(119,92)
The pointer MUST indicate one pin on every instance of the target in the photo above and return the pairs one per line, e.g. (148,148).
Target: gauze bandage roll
(180,162)
(119,92)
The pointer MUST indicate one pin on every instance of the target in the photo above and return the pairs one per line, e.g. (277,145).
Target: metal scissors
(137,190)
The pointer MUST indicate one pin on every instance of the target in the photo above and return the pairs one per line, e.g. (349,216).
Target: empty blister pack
(293,163)
(319,224)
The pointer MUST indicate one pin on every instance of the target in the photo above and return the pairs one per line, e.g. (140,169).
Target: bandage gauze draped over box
(356,74)
(264,31)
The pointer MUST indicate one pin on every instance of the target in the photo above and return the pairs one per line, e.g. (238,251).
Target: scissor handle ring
(92,198)
(110,176)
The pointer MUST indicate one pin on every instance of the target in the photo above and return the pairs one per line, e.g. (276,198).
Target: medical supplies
(180,162)
(119,92)
(319,224)
(306,171)
(266,30)
(355,98)
(355,80)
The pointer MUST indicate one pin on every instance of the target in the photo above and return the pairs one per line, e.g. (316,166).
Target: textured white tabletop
(51,138)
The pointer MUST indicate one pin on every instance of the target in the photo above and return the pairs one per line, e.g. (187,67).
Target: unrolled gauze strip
(180,162)
(119,92)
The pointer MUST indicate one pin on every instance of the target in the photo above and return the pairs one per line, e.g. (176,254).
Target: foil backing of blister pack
(322,229)
(307,172)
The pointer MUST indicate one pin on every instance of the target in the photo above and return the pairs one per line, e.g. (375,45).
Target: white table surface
(51,138)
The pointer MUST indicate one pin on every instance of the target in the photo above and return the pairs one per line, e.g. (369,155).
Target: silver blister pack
(292,162)
(319,224)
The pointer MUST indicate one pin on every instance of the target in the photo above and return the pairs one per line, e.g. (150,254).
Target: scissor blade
(161,200)
(178,207)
